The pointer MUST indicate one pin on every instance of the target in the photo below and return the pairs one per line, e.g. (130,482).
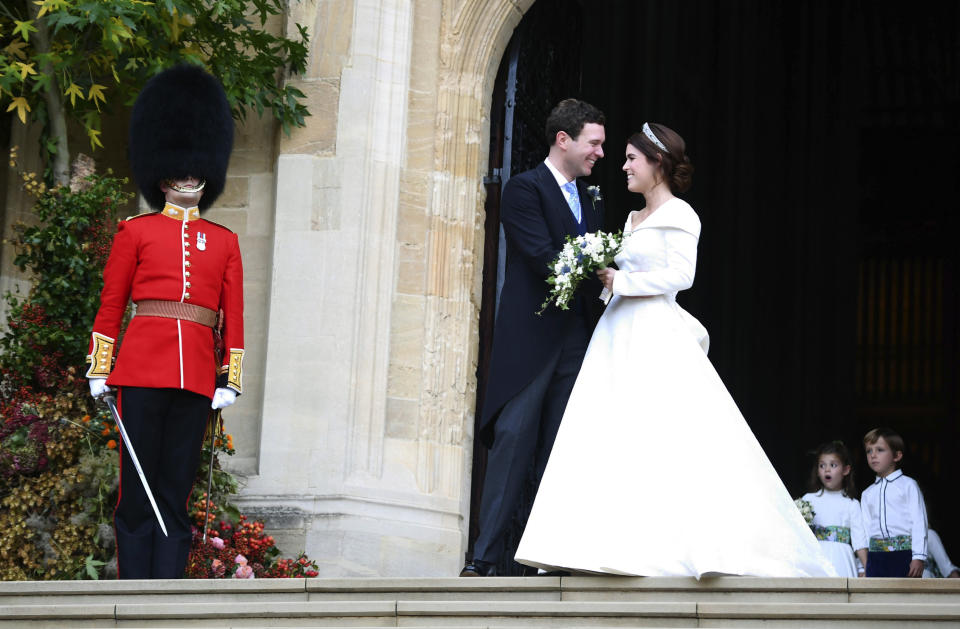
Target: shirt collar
(561,180)
(180,213)
(892,476)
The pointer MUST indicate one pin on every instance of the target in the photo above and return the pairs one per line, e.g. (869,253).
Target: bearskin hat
(181,126)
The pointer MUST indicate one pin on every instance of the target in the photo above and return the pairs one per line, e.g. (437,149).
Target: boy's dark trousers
(889,564)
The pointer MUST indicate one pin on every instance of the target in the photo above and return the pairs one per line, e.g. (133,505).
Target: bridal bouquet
(806,510)
(579,257)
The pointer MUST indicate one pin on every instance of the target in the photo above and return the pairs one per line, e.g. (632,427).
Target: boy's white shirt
(894,506)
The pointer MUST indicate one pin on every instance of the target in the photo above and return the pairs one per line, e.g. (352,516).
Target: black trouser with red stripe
(166,428)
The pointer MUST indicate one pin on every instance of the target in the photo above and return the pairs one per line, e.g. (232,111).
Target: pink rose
(217,567)
(243,572)
(240,559)
(217,542)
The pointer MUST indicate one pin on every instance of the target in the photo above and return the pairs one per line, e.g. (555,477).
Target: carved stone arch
(474,38)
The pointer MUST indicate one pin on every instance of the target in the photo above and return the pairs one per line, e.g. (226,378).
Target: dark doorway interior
(825,137)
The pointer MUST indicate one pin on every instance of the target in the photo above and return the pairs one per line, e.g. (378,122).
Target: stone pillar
(370,384)
(324,473)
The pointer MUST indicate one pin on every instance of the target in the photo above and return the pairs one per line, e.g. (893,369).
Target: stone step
(484,613)
(636,589)
(478,602)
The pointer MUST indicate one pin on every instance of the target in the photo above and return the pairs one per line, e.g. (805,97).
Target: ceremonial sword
(111,399)
(213,434)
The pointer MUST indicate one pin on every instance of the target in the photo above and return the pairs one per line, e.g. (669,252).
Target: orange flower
(105,431)
(86,419)
(111,444)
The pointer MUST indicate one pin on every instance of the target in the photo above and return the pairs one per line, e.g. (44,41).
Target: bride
(654,471)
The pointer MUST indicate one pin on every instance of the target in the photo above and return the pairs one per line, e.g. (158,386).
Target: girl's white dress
(654,470)
(839,527)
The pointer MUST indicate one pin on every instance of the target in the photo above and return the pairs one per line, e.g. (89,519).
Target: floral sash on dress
(831,533)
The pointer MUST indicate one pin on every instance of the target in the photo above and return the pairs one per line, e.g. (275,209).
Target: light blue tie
(573,198)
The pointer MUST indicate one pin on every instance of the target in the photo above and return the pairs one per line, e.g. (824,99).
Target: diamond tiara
(650,136)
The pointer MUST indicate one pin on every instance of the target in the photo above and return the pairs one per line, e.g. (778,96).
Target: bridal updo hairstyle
(677,168)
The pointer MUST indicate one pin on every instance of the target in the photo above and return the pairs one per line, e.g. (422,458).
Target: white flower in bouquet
(579,257)
(806,510)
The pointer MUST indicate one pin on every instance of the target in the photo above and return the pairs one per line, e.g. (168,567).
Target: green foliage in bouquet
(579,258)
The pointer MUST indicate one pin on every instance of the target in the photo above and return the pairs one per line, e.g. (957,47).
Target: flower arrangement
(806,510)
(238,551)
(579,257)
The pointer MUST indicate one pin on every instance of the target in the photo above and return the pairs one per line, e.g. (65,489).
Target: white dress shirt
(894,506)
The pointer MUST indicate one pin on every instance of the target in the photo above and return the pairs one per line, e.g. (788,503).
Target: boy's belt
(890,544)
(177,310)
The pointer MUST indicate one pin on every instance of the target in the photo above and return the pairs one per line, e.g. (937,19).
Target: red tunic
(173,256)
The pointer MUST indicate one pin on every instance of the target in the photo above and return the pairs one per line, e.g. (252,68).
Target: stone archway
(473,40)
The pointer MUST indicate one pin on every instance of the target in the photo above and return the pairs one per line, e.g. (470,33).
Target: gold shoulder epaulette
(150,213)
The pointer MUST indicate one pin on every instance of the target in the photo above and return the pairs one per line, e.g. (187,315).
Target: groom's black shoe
(477,568)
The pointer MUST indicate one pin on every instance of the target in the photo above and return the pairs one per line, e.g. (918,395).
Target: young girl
(838,521)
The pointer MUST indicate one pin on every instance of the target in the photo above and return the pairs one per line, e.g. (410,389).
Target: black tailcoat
(536,220)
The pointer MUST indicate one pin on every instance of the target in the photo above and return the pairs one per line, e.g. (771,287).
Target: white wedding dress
(654,471)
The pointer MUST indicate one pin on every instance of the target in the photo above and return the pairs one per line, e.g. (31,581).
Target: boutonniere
(594,192)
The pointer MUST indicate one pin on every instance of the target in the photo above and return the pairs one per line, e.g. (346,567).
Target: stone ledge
(827,611)
(546,608)
(202,611)
(64,612)
(872,585)
(155,586)
(714,584)
(446,584)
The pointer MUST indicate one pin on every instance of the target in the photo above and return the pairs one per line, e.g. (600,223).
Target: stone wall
(378,239)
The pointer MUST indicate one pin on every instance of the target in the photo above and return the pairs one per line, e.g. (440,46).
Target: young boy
(893,510)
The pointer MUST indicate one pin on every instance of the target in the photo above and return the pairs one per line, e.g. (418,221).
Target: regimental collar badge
(180,213)
(201,241)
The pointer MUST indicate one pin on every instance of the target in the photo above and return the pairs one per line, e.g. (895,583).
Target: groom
(536,359)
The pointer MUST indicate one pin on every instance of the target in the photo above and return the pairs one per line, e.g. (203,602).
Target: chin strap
(186,189)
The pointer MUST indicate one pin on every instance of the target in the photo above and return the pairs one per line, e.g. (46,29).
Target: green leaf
(96,94)
(26,69)
(24,28)
(90,565)
(73,92)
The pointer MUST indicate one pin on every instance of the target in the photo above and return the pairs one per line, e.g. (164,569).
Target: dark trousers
(166,429)
(524,433)
(889,564)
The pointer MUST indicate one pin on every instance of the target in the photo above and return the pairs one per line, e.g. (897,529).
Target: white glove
(222,398)
(98,386)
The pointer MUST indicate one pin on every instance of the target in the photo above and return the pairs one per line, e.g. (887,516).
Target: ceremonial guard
(185,277)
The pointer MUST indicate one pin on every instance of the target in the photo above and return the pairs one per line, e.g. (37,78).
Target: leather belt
(177,310)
